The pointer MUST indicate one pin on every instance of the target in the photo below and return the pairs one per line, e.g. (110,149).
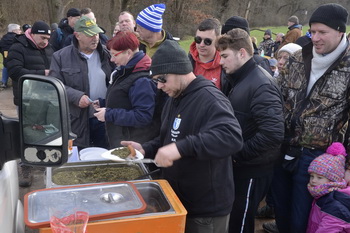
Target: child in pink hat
(330,210)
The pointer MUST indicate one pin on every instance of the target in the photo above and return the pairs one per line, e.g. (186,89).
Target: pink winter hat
(331,164)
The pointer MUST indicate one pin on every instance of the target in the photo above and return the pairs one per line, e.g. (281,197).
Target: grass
(258,33)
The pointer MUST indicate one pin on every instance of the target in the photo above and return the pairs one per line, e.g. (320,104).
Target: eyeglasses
(160,79)
(199,39)
(116,54)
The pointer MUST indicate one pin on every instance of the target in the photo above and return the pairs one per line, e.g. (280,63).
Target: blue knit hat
(151,17)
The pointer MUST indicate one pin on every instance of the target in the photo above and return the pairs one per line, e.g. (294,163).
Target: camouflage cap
(87,26)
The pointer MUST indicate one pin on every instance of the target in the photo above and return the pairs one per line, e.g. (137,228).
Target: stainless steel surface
(86,198)
(88,166)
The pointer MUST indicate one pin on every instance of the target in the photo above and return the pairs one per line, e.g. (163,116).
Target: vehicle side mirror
(44,121)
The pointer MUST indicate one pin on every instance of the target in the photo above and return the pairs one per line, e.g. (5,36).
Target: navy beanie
(333,15)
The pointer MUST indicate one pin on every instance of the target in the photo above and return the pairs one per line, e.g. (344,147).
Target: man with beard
(84,68)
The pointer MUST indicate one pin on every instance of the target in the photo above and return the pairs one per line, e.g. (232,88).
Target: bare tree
(57,9)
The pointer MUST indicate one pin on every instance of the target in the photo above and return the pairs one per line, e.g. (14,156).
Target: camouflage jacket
(321,117)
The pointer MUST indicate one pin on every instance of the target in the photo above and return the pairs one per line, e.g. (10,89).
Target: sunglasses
(199,39)
(160,79)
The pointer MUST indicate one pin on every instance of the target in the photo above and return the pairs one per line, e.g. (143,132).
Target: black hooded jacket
(202,124)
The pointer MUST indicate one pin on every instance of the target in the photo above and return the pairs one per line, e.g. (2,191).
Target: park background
(180,18)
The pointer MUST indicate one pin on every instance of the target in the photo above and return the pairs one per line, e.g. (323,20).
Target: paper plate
(110,156)
(92,154)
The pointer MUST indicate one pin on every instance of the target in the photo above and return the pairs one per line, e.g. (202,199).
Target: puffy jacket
(25,58)
(257,102)
(5,43)
(70,66)
(321,117)
(331,213)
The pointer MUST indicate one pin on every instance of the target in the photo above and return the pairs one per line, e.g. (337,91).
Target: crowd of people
(230,123)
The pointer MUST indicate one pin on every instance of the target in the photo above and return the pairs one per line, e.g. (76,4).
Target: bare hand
(96,104)
(100,114)
(166,155)
(136,145)
(47,72)
(84,101)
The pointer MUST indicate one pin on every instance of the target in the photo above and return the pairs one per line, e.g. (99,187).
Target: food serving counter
(163,213)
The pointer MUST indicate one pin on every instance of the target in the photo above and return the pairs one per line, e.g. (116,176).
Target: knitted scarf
(321,190)
(321,62)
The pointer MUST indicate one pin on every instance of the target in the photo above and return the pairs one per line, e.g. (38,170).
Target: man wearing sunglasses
(257,102)
(198,135)
(203,55)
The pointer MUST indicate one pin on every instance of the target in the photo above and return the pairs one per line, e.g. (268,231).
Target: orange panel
(169,223)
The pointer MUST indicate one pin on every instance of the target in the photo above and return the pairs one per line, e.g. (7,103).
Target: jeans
(291,198)
(207,224)
(98,137)
(5,76)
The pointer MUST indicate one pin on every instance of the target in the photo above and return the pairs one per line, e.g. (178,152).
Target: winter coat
(70,66)
(330,213)
(5,44)
(202,124)
(26,58)
(317,119)
(292,35)
(130,102)
(267,46)
(257,102)
(59,36)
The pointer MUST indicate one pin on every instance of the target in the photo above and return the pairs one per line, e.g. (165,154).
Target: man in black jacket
(198,135)
(65,28)
(257,103)
(30,54)
(5,44)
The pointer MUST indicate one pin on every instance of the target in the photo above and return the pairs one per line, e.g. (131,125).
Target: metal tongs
(132,160)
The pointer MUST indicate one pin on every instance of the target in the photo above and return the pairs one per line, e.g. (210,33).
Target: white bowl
(92,154)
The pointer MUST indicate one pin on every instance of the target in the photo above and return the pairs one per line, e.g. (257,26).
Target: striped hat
(151,17)
(331,164)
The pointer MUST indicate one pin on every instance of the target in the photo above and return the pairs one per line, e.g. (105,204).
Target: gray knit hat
(333,15)
(294,19)
(170,58)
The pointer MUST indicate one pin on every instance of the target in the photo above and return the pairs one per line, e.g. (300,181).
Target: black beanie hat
(40,27)
(268,32)
(235,22)
(333,15)
(73,12)
(170,58)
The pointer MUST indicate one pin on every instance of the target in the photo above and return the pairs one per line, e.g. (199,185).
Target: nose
(160,85)
(221,61)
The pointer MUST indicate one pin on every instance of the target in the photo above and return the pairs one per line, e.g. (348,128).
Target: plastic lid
(101,201)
